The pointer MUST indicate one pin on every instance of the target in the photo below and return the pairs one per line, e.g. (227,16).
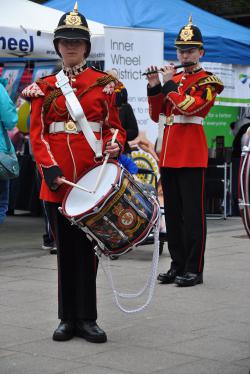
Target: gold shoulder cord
(102,81)
(51,98)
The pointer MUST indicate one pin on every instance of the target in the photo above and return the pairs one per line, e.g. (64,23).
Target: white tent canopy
(26,30)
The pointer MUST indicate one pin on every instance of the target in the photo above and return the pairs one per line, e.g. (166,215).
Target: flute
(187,64)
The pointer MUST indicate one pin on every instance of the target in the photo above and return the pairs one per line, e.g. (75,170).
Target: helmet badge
(73,19)
(187,32)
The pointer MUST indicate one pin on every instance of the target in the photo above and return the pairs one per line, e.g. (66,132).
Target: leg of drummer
(85,270)
(65,330)
(76,282)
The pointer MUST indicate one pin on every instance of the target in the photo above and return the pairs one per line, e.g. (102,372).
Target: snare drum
(119,215)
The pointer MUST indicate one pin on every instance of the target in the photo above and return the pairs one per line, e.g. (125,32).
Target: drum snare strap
(150,283)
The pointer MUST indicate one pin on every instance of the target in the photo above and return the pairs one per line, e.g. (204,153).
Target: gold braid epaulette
(49,98)
(211,79)
(44,82)
(102,81)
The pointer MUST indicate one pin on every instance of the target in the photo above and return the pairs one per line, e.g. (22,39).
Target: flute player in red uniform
(62,150)
(182,103)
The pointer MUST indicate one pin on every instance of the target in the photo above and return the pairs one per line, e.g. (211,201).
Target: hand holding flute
(156,70)
(167,72)
(153,74)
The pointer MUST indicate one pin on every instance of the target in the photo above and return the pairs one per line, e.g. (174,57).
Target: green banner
(217,123)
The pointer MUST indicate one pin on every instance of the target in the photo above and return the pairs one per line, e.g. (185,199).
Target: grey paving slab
(245,362)
(12,335)
(25,317)
(76,349)
(206,367)
(213,348)
(22,363)
(5,352)
(139,360)
(236,331)
(151,335)
(29,272)
(96,370)
(199,330)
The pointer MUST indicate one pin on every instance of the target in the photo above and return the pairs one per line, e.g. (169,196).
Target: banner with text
(130,52)
(232,103)
(16,42)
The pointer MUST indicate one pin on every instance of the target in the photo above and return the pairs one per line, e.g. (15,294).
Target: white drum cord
(150,283)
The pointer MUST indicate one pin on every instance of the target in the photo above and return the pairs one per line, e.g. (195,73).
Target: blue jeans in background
(4,199)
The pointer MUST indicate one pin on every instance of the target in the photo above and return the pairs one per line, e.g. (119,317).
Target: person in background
(127,118)
(142,142)
(184,100)
(126,115)
(48,243)
(62,150)
(8,120)
(48,238)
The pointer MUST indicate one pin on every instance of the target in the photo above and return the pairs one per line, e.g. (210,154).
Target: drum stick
(75,185)
(105,162)
(100,174)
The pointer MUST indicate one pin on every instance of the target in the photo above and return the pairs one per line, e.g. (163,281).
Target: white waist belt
(56,127)
(188,119)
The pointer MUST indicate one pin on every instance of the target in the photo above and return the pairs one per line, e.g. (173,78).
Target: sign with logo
(236,79)
(145,160)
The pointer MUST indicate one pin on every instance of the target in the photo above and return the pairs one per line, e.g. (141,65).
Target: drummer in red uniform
(63,150)
(182,103)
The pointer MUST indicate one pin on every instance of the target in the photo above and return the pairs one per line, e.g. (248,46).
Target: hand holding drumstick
(111,149)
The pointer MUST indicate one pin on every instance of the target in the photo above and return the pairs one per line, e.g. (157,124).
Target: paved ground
(198,330)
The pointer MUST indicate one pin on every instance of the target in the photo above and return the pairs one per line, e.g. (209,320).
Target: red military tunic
(186,95)
(63,153)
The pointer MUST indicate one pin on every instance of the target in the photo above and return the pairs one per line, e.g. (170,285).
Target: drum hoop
(244,191)
(103,199)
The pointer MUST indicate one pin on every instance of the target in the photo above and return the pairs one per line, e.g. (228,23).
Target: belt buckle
(70,126)
(170,120)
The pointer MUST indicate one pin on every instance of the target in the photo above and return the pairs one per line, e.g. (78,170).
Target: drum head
(78,201)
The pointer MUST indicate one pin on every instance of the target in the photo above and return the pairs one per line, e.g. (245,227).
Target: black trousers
(184,203)
(77,269)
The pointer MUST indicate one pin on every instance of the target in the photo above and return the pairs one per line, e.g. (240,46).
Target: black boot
(64,331)
(90,331)
(189,279)
(168,277)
